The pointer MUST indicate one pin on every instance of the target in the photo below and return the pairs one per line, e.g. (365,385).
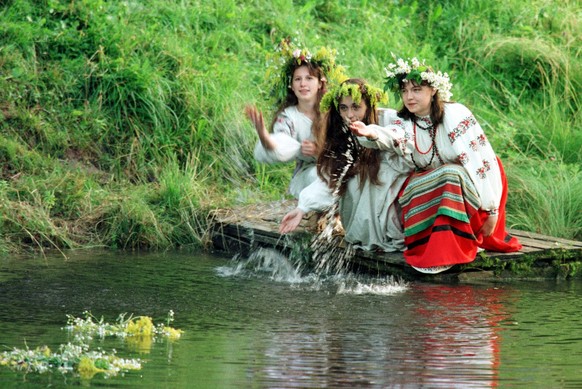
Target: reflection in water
(259,322)
(450,339)
(457,339)
(443,336)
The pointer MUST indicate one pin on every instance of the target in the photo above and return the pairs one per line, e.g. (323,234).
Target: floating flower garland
(76,356)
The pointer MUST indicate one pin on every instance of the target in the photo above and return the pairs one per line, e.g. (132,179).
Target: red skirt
(442,218)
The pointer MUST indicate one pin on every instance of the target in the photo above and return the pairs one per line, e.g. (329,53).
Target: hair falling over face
(342,150)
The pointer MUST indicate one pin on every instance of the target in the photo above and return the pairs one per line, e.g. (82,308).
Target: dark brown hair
(337,142)
(437,106)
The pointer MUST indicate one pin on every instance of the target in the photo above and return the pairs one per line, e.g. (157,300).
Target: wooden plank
(539,237)
(540,245)
(246,228)
(264,234)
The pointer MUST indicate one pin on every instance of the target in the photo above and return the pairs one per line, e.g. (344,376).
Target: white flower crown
(418,72)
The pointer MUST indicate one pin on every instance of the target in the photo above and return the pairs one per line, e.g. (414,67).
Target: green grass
(121,123)
(546,197)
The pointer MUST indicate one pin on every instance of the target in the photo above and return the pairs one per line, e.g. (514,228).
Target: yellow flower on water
(140,333)
(44,350)
(172,333)
(87,369)
(142,327)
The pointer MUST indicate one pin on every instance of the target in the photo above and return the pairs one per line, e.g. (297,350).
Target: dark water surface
(264,326)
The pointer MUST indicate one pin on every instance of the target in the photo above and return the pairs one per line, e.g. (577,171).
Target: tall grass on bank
(545,197)
(121,122)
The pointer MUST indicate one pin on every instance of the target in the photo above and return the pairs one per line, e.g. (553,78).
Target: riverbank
(245,230)
(122,126)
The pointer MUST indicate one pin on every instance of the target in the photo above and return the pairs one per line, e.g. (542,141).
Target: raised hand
(256,117)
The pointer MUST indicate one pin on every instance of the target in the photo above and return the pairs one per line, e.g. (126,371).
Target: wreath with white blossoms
(416,71)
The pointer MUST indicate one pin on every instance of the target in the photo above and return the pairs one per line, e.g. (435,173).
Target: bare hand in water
(291,221)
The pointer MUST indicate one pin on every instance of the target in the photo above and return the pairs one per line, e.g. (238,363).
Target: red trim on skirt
(449,241)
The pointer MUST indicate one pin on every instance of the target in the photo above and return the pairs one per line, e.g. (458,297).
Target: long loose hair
(341,148)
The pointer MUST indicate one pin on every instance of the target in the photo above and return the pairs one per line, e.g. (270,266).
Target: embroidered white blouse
(459,140)
(290,129)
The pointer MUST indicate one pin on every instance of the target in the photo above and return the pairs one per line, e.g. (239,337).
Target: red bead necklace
(432,133)
(416,143)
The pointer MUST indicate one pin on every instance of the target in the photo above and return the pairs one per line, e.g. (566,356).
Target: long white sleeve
(315,197)
(287,149)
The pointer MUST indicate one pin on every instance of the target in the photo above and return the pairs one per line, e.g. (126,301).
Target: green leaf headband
(418,72)
(356,92)
(287,56)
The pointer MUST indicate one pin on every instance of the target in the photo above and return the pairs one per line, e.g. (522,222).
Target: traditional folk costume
(457,180)
(370,215)
(290,129)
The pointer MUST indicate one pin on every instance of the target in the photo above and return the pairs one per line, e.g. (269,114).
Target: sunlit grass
(121,123)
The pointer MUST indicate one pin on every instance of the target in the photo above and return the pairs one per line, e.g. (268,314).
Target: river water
(257,323)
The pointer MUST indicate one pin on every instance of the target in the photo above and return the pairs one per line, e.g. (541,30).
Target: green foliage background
(121,122)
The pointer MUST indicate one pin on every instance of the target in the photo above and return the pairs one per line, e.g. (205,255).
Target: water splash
(379,286)
(331,253)
(277,267)
(267,262)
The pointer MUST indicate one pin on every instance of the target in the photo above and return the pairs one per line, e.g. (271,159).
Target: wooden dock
(247,228)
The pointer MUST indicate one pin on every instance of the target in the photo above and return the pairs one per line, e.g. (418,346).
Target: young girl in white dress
(298,87)
(365,181)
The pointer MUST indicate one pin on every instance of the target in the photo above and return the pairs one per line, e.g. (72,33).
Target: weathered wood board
(246,228)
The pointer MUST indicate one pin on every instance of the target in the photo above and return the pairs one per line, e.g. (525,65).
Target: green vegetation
(121,122)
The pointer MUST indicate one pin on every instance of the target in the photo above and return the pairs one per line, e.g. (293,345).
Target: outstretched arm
(256,117)
(291,221)
(360,129)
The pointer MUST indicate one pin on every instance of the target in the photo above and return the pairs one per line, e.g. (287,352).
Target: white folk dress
(370,215)
(290,129)
(459,140)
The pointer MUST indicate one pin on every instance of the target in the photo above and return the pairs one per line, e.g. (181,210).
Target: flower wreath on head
(416,71)
(288,55)
(356,92)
